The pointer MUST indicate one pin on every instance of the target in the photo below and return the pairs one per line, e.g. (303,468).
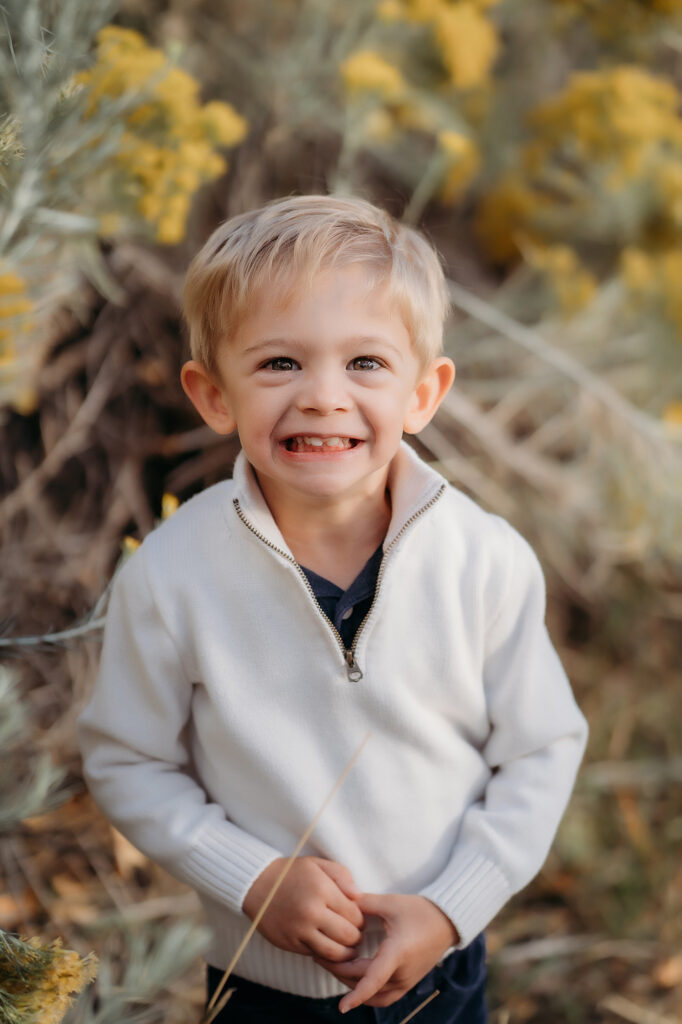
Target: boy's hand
(417,936)
(313,911)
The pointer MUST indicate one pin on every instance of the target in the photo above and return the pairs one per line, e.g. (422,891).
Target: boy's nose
(323,393)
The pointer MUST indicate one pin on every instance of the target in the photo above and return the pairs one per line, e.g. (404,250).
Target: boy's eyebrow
(359,339)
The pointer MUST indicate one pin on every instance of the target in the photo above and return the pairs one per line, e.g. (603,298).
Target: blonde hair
(285,243)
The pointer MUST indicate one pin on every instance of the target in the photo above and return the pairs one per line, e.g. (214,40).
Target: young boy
(336,586)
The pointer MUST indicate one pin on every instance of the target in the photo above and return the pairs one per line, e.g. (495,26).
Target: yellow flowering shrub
(466,39)
(624,119)
(572,285)
(653,280)
(463,159)
(169,144)
(468,42)
(638,271)
(614,129)
(505,213)
(379,125)
(628,21)
(428,99)
(14,303)
(368,72)
(610,141)
(169,504)
(16,307)
(672,415)
(40,982)
(119,148)
(385,102)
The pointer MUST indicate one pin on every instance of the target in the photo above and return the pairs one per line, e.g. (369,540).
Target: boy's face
(320,390)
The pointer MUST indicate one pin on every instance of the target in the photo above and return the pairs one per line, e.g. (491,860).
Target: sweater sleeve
(136,762)
(534,748)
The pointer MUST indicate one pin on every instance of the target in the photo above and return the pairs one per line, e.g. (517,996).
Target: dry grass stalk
(564,430)
(644,772)
(532,340)
(590,947)
(630,1011)
(51,639)
(256,921)
(72,441)
(421,1006)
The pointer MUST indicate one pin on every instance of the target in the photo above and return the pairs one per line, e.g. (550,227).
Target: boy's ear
(209,400)
(429,393)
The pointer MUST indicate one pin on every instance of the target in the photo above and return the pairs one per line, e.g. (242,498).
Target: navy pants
(461,1000)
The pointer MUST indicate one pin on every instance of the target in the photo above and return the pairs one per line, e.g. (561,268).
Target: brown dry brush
(81,472)
(536,429)
(60,877)
(39,978)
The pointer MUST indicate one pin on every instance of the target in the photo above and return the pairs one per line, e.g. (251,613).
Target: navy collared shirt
(347,608)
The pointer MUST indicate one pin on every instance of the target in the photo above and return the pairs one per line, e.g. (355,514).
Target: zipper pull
(352,668)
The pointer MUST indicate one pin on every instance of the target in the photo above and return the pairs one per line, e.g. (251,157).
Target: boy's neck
(333,539)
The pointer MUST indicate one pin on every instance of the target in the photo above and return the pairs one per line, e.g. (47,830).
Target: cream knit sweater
(225,708)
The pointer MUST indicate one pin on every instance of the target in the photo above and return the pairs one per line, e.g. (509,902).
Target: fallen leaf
(128,858)
(668,974)
(17,910)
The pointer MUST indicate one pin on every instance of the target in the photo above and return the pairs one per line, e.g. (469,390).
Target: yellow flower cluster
(169,504)
(366,71)
(14,304)
(463,160)
(613,130)
(389,102)
(654,278)
(466,38)
(505,214)
(468,42)
(16,308)
(368,76)
(168,148)
(52,988)
(622,116)
(618,18)
(672,415)
(574,287)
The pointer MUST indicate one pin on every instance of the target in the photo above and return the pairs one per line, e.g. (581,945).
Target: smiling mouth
(314,443)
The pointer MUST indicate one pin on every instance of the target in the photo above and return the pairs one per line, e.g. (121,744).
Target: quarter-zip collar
(414,489)
(412,485)
(411,482)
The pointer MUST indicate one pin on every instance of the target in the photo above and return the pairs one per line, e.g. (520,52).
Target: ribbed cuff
(470,891)
(225,861)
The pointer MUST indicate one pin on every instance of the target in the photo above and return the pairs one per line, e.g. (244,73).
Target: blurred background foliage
(539,144)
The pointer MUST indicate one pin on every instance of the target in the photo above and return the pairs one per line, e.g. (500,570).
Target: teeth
(302,441)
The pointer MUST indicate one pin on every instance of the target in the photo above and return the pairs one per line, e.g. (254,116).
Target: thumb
(342,876)
(377,904)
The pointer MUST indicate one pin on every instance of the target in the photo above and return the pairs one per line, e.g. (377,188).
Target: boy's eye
(365,363)
(283,363)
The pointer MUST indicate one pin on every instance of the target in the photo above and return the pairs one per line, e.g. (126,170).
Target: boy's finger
(342,876)
(325,948)
(348,971)
(339,929)
(377,974)
(346,908)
